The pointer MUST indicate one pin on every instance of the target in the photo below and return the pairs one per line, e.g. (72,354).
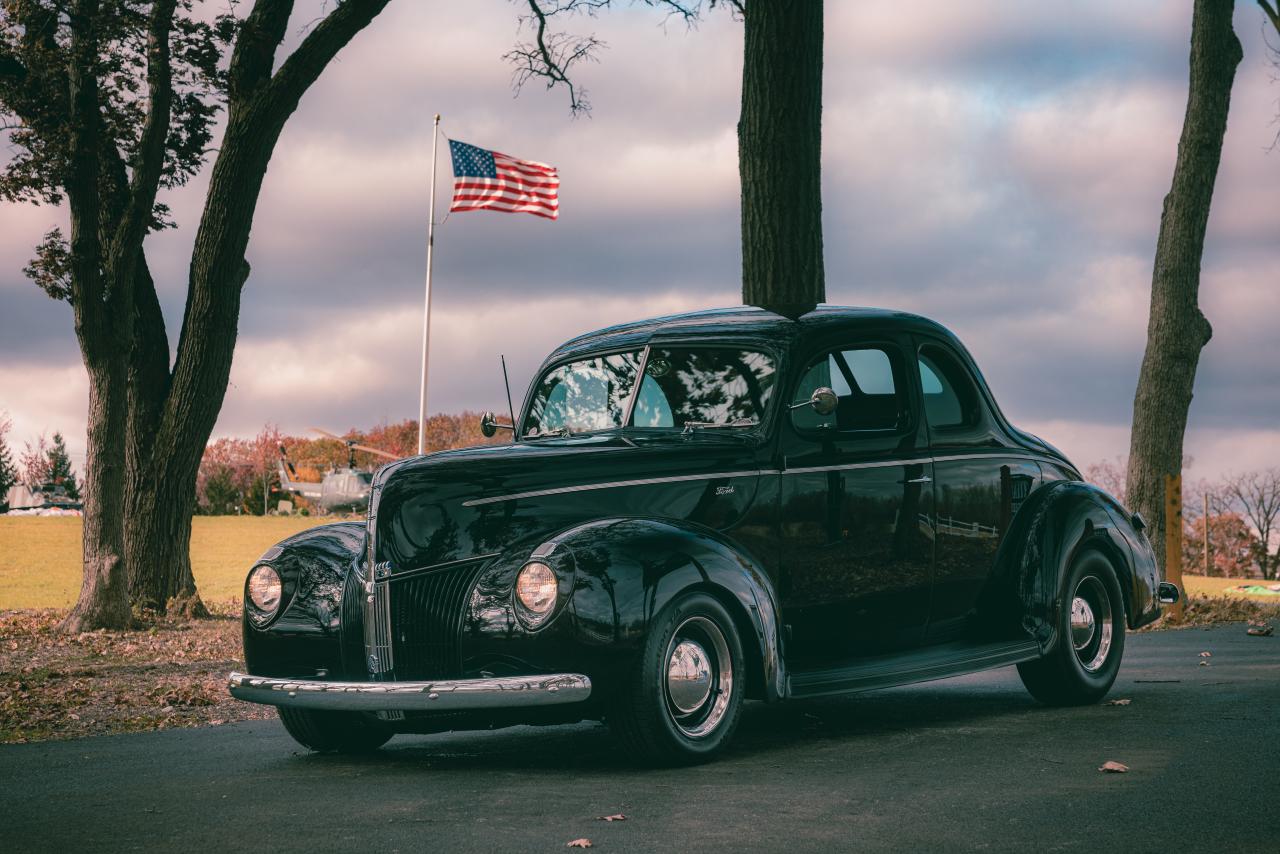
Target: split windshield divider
(635,387)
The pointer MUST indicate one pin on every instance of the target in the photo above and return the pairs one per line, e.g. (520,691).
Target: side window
(950,396)
(866,384)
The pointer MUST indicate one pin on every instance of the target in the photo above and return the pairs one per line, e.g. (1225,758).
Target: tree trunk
(1177,330)
(102,324)
(104,590)
(158,542)
(779,156)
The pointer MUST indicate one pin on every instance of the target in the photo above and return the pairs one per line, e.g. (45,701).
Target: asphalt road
(967,763)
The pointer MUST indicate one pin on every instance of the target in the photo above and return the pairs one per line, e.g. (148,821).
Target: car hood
(473,502)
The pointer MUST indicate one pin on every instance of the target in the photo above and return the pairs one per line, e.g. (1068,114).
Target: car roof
(742,323)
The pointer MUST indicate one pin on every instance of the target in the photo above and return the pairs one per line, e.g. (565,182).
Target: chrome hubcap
(1082,623)
(688,677)
(699,677)
(1092,625)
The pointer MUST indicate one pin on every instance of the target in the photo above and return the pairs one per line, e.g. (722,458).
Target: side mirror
(823,401)
(489,425)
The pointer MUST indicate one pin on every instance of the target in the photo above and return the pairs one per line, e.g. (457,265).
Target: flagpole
(426,311)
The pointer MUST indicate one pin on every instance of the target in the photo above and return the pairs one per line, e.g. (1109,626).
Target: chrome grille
(377,595)
(427,613)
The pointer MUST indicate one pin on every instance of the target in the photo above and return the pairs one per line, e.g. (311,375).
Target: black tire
(330,732)
(1082,665)
(646,713)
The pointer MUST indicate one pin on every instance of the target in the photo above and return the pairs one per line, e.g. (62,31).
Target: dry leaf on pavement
(1113,767)
(1117,702)
(1206,655)
(578,843)
(617,817)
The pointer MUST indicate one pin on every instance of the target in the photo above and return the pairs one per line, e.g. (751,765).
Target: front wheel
(329,732)
(1084,662)
(683,703)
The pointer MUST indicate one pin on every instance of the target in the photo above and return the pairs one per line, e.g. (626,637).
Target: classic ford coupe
(694,511)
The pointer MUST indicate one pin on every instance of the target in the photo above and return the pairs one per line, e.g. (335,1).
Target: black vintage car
(695,511)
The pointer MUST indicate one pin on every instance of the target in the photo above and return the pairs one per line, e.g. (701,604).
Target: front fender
(1053,525)
(624,572)
(306,637)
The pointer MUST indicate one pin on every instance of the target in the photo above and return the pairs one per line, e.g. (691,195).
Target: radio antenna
(515,437)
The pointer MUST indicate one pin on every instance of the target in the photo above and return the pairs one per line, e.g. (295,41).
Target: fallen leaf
(1206,655)
(578,843)
(1117,702)
(1113,767)
(618,817)
(1204,664)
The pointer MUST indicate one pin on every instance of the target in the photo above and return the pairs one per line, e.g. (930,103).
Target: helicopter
(344,489)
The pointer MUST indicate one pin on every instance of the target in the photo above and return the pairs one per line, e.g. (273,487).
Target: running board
(922,665)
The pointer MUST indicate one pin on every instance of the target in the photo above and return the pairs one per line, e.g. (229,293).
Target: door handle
(924,478)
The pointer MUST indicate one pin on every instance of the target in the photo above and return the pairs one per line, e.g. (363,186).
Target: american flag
(487,179)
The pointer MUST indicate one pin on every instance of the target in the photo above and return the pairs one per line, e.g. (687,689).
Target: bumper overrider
(508,692)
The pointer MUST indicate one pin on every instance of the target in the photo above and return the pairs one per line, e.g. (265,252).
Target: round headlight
(536,588)
(264,589)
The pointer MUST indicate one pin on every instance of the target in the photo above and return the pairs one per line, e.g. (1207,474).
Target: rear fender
(1057,522)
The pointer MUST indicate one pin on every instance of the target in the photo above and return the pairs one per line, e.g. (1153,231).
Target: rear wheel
(683,703)
(329,732)
(1084,662)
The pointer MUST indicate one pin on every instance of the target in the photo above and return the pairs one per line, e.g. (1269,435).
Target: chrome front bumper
(509,692)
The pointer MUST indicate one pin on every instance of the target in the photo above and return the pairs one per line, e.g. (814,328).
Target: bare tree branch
(1256,495)
(551,55)
(321,45)
(149,161)
(255,51)
(1273,14)
(83,171)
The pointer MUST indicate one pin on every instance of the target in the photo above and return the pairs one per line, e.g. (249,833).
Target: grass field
(40,557)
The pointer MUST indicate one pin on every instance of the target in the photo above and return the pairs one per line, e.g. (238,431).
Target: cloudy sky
(988,164)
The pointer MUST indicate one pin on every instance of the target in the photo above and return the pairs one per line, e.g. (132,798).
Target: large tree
(1177,330)
(106,103)
(779,133)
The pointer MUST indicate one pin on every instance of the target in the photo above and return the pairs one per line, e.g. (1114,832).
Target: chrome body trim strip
(877,464)
(507,692)
(614,484)
(652,481)
(1022,455)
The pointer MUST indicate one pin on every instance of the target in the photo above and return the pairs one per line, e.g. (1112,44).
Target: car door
(855,508)
(980,480)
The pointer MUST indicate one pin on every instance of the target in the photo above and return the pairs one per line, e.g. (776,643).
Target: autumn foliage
(242,475)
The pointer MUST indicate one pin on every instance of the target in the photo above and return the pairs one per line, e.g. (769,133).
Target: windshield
(683,388)
(704,387)
(578,397)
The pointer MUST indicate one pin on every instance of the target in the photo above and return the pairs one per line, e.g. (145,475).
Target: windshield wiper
(690,426)
(558,433)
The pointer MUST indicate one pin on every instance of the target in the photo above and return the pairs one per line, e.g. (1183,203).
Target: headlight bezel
(259,614)
(530,616)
